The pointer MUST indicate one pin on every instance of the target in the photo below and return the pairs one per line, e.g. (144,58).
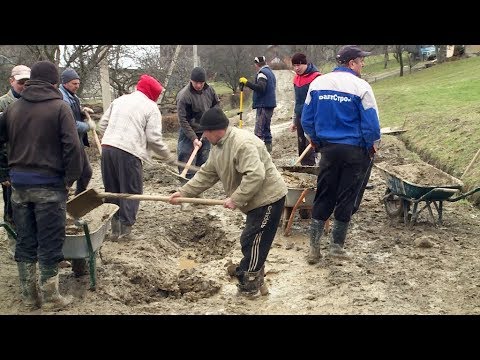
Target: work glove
(91,125)
(243,80)
(87,109)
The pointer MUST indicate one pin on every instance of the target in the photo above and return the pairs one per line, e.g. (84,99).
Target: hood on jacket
(39,90)
(150,86)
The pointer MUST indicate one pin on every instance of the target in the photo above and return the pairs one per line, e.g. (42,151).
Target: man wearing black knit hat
(44,160)
(192,101)
(240,160)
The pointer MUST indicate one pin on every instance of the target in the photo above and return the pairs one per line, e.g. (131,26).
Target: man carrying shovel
(192,101)
(132,125)
(240,160)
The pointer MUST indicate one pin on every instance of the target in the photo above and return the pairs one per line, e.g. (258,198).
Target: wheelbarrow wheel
(393,204)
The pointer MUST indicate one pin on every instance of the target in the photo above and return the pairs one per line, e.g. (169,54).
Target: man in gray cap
(44,161)
(192,101)
(340,118)
(240,160)
(70,82)
(19,75)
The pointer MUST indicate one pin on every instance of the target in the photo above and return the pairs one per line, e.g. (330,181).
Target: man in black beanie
(192,101)
(44,161)
(240,160)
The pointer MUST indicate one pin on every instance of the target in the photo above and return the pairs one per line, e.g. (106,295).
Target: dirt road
(176,265)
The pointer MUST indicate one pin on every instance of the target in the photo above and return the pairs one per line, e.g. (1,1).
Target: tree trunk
(169,73)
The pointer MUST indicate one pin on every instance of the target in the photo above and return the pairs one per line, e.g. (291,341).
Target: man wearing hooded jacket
(132,125)
(44,157)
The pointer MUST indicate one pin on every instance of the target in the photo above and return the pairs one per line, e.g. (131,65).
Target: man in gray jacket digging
(252,183)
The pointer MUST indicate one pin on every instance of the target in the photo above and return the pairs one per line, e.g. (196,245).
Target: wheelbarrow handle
(463,196)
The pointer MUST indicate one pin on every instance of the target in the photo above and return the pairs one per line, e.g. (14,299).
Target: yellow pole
(240,121)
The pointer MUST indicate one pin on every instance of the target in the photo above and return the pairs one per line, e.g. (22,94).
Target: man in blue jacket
(264,99)
(340,116)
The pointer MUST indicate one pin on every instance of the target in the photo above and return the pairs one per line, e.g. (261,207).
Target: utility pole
(105,84)
(195,56)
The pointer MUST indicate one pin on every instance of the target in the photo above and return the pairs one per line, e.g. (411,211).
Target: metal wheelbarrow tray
(87,243)
(403,194)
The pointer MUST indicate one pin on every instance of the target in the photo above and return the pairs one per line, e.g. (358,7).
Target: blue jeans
(39,214)
(185,148)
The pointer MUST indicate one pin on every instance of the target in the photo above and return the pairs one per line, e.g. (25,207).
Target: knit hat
(150,86)
(45,71)
(259,59)
(198,75)
(213,119)
(350,52)
(20,72)
(69,75)
(299,58)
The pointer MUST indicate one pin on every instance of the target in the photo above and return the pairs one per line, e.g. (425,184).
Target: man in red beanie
(131,126)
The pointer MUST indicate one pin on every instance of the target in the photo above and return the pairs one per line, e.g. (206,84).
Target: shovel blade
(83,203)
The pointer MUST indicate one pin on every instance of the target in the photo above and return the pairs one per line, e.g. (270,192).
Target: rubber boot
(27,273)
(252,282)
(316,231)
(115,227)
(52,300)
(79,267)
(125,232)
(339,233)
(12,243)
(269,147)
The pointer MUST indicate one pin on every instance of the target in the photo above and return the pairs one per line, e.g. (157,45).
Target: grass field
(440,107)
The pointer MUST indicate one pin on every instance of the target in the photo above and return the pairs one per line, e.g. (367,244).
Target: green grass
(220,88)
(375,64)
(440,107)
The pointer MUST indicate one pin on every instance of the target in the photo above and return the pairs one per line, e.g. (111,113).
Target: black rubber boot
(79,267)
(269,147)
(27,272)
(316,231)
(339,233)
(252,282)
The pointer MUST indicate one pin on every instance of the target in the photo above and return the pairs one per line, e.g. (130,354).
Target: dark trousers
(185,148)
(262,124)
(302,142)
(342,170)
(86,176)
(40,216)
(122,172)
(7,206)
(257,236)
(362,186)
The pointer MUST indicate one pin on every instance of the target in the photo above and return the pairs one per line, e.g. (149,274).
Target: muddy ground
(177,262)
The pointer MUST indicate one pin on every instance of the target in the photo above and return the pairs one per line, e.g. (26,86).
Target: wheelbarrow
(403,197)
(86,245)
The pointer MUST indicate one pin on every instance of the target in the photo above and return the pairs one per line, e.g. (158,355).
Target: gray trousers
(122,173)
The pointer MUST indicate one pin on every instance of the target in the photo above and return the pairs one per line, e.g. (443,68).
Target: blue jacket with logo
(340,108)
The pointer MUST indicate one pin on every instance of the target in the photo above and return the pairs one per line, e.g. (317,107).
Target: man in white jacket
(132,126)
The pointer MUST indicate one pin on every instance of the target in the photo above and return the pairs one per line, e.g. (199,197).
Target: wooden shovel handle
(189,162)
(160,198)
(95,135)
(307,149)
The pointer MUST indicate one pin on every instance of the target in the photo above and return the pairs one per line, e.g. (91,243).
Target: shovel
(190,160)
(240,121)
(90,199)
(307,149)
(95,136)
